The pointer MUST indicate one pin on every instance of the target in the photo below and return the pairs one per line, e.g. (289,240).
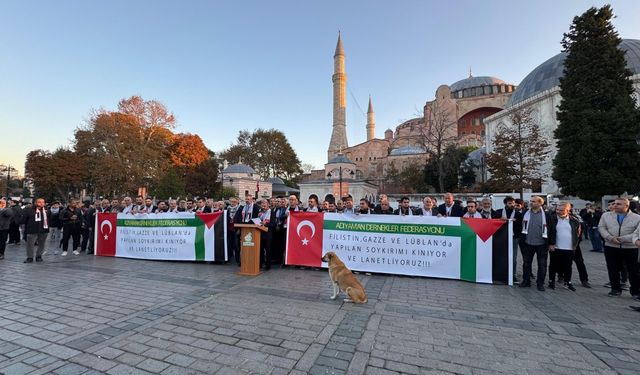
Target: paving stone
(17,369)
(152,365)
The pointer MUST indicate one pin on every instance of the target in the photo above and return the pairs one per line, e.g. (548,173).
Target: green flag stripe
(160,222)
(200,250)
(468,257)
(466,234)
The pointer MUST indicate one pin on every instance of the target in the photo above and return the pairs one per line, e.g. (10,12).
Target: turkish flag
(304,239)
(106,234)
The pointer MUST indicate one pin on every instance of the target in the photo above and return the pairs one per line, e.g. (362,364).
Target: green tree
(519,149)
(598,118)
(443,173)
(267,151)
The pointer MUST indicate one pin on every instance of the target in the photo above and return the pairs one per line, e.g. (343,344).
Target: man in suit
(405,208)
(509,212)
(449,208)
(202,207)
(250,209)
(232,214)
(384,208)
(36,227)
(428,208)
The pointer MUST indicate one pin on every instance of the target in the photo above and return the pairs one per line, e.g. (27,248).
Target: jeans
(596,241)
(542,252)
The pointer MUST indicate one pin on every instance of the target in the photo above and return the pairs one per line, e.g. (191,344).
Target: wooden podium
(250,248)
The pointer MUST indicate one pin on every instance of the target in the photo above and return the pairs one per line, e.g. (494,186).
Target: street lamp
(8,179)
(351,173)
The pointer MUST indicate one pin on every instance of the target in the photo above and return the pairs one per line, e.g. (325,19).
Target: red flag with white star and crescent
(304,239)
(106,234)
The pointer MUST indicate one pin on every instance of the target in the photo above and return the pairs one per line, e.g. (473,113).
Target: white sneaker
(64,254)
(76,252)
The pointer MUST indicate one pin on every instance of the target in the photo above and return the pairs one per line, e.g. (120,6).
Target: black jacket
(66,217)
(397,211)
(552,221)
(517,224)
(456,210)
(31,226)
(420,211)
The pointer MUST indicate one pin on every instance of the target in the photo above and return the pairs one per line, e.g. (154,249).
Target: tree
(267,151)
(188,150)
(412,180)
(598,118)
(201,180)
(445,171)
(127,148)
(392,179)
(57,174)
(439,133)
(520,149)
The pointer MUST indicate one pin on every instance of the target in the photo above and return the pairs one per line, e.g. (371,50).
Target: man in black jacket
(449,208)
(6,215)
(72,227)
(509,212)
(563,239)
(36,226)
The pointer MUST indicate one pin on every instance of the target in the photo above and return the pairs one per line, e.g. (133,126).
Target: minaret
(339,134)
(371,122)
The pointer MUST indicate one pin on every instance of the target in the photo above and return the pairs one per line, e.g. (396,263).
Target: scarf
(476,215)
(409,210)
(39,217)
(525,223)
(511,217)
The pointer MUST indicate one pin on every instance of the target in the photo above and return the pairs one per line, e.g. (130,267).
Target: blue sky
(221,67)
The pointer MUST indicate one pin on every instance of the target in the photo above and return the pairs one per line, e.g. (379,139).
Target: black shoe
(570,287)
(38,259)
(614,293)
(551,286)
(636,308)
(1,256)
(28,260)
(525,284)
(541,288)
(585,284)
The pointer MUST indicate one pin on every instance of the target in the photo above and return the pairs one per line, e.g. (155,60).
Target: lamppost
(8,179)
(223,166)
(351,173)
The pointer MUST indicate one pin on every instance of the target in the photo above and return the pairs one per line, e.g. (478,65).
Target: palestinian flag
(475,250)
(164,236)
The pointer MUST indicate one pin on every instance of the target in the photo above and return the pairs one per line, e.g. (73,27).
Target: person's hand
(552,248)
(616,240)
(638,243)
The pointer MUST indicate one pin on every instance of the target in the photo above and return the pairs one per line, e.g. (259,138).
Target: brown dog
(344,280)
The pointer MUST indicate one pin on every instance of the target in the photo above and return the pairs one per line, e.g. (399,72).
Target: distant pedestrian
(6,215)
(36,225)
(617,229)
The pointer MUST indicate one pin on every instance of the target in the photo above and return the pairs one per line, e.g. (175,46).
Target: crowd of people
(550,234)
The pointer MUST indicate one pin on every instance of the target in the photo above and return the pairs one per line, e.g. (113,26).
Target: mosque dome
(407,150)
(239,168)
(340,158)
(470,82)
(275,180)
(547,75)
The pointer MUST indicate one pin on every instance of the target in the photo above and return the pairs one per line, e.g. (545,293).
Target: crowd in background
(550,234)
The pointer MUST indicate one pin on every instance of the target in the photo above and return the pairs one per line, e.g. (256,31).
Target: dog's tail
(356,295)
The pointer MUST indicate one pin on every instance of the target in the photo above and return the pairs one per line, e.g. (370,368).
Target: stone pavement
(85,314)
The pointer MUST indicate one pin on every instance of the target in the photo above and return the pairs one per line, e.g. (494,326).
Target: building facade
(461,107)
(539,92)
